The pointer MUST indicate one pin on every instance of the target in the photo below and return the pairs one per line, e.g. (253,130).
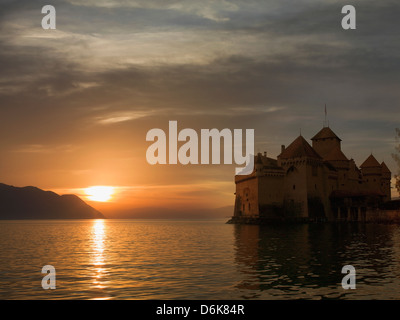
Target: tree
(396,157)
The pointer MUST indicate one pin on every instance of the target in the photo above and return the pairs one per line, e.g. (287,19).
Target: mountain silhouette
(34,203)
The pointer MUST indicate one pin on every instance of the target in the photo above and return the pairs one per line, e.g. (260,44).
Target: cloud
(122,117)
(115,69)
(208,9)
(39,148)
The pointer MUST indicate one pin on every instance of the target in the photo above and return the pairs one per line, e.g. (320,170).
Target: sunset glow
(203,65)
(99,193)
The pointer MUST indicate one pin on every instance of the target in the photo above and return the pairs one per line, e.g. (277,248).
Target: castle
(315,182)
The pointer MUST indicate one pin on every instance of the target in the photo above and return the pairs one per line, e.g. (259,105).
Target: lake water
(170,259)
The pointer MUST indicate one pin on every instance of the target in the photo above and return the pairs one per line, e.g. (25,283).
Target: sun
(99,193)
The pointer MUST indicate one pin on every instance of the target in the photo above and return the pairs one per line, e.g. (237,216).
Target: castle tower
(303,187)
(372,174)
(385,182)
(260,194)
(325,141)
(340,162)
(258,165)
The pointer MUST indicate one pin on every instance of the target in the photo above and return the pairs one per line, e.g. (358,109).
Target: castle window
(294,187)
(315,187)
(243,208)
(249,206)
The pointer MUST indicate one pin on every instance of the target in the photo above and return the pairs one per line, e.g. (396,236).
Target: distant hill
(34,203)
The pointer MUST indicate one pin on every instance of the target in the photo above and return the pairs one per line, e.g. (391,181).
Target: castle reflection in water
(305,260)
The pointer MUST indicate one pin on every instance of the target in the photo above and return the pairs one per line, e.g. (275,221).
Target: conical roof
(325,133)
(336,155)
(370,162)
(299,148)
(385,169)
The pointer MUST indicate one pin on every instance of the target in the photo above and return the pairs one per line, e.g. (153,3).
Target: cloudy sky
(76,102)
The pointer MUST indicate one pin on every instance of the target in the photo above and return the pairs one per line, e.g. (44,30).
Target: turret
(372,173)
(371,167)
(325,141)
(385,181)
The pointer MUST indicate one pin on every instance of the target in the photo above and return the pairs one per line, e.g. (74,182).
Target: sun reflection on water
(98,261)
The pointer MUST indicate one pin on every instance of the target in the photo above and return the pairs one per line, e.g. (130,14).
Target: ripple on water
(132,259)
